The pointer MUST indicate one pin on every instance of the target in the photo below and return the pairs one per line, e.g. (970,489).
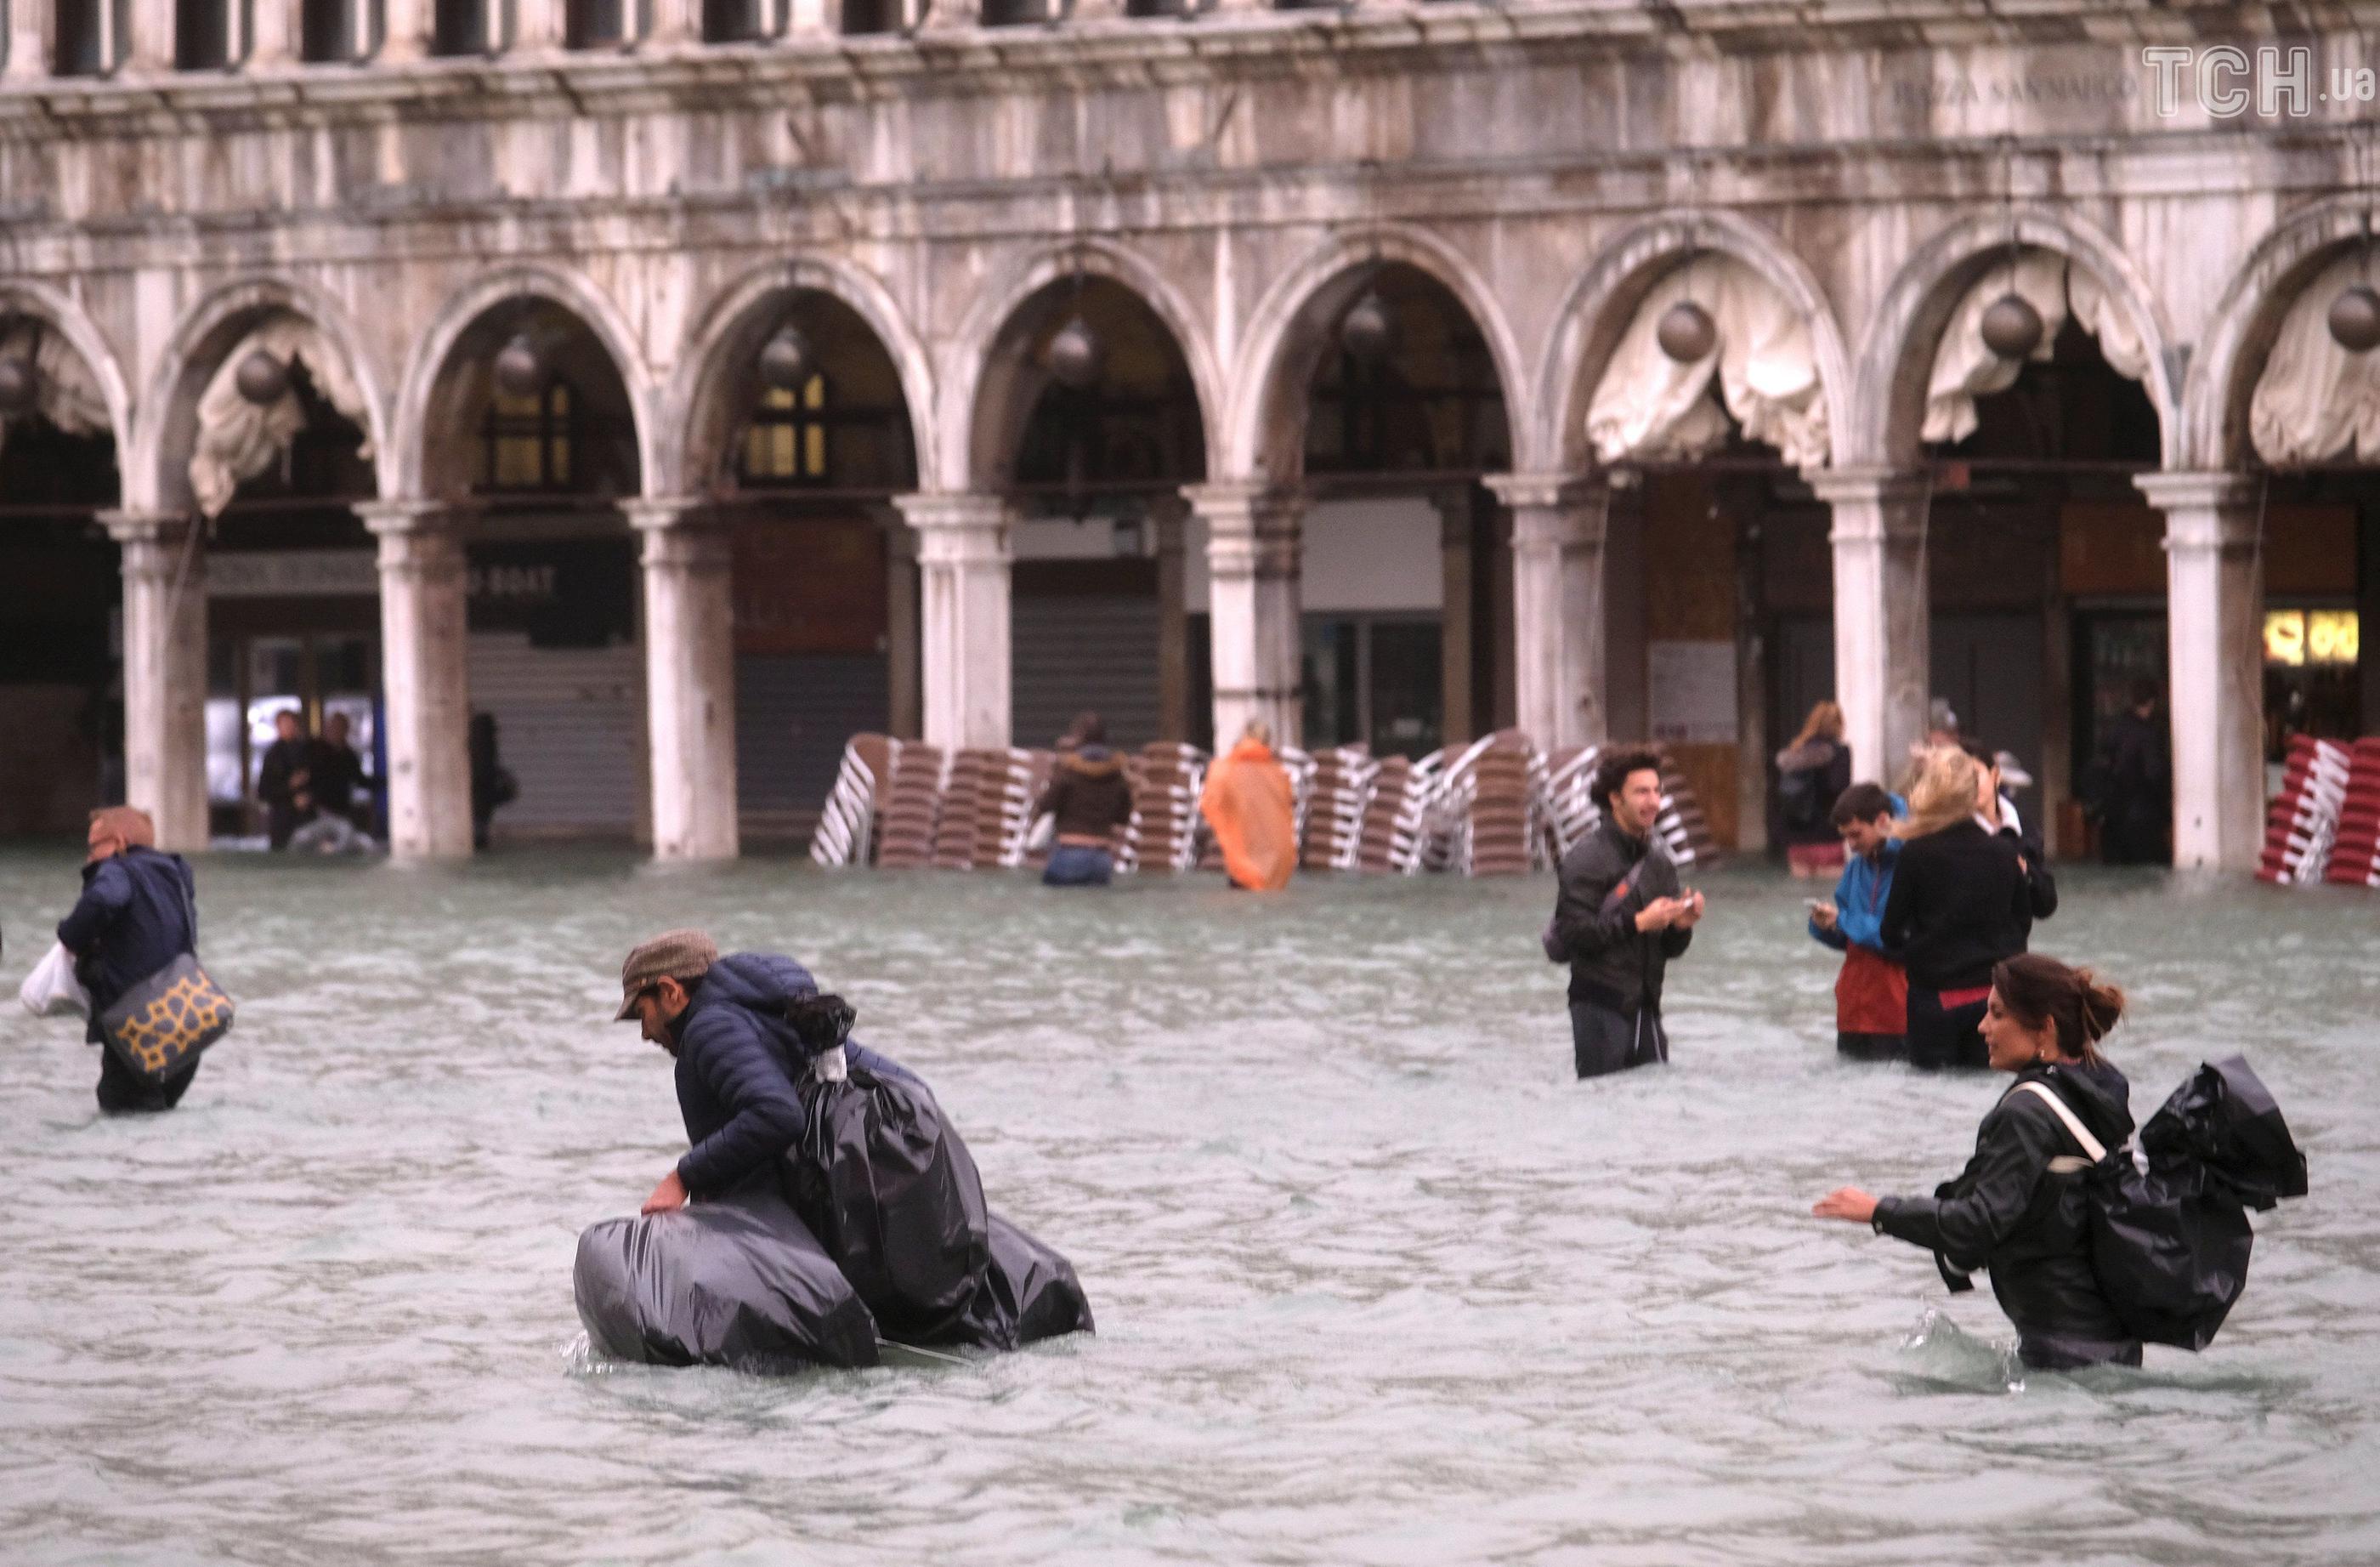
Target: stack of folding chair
(2355,852)
(1500,836)
(1571,805)
(1165,806)
(846,829)
(1004,806)
(1391,843)
(2304,819)
(1680,826)
(1334,816)
(913,810)
(955,824)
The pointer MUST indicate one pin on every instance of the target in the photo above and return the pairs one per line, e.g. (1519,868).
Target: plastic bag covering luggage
(52,989)
(1028,1292)
(2224,1122)
(738,1281)
(884,1180)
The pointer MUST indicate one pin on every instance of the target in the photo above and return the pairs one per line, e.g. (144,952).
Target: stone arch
(59,311)
(1264,430)
(1599,306)
(1888,388)
(692,429)
(2232,351)
(166,424)
(426,376)
(977,375)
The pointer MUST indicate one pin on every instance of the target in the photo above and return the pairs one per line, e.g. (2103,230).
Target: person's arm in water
(2012,1151)
(765,1114)
(104,900)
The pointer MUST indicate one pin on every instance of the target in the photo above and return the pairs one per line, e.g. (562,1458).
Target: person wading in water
(2019,1208)
(1619,920)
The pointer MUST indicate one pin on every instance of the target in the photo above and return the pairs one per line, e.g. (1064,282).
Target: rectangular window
(203,35)
(466,27)
(331,32)
(596,24)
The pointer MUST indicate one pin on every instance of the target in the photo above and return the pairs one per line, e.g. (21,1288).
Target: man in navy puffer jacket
(723,1020)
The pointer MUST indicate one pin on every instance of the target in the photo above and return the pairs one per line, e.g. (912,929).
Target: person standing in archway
(1619,920)
(1812,775)
(1250,804)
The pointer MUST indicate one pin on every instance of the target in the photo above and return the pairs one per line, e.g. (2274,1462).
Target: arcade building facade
(688,387)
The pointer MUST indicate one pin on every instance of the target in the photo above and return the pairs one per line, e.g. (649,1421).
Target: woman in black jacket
(2019,1208)
(1090,795)
(1958,893)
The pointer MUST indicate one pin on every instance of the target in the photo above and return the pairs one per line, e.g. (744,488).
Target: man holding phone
(1620,918)
(1871,991)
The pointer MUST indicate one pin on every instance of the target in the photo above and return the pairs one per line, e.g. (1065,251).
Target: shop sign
(1691,688)
(2294,639)
(291,574)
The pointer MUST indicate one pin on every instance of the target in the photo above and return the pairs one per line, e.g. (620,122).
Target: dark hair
(1861,802)
(2144,691)
(1087,730)
(2039,992)
(1983,754)
(1613,771)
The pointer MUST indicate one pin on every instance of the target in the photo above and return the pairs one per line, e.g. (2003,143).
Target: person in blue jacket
(1871,991)
(722,1019)
(138,913)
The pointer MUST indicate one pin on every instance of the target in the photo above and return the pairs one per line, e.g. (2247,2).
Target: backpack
(1797,798)
(2169,1232)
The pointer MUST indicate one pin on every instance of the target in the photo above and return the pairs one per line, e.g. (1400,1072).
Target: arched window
(864,17)
(598,24)
(207,34)
(469,27)
(90,36)
(787,443)
(335,32)
(741,21)
(529,441)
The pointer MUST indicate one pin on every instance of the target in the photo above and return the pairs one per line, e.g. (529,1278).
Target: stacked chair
(2355,851)
(1391,840)
(913,808)
(846,829)
(1333,833)
(2304,818)
(955,822)
(1165,806)
(1683,830)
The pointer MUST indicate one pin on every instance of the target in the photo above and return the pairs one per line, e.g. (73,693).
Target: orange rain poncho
(1251,806)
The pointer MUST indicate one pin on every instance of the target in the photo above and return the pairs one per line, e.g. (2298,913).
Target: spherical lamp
(1369,332)
(261,379)
(519,368)
(21,387)
(2355,319)
(1686,332)
(785,360)
(1076,355)
(2011,328)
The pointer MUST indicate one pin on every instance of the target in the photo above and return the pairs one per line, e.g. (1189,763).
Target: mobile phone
(1814,905)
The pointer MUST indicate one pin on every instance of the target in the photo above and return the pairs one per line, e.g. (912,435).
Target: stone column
(424,677)
(689,678)
(1882,622)
(538,24)
(1455,724)
(405,27)
(1252,559)
(943,15)
(28,41)
(1169,516)
(903,717)
(164,672)
(2215,604)
(151,47)
(963,558)
(272,37)
(676,23)
(1559,696)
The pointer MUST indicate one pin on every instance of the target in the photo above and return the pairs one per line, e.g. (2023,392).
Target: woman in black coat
(1957,895)
(2019,1208)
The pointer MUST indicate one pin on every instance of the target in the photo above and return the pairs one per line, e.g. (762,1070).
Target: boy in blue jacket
(1871,991)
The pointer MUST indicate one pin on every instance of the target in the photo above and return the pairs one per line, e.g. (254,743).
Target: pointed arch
(59,309)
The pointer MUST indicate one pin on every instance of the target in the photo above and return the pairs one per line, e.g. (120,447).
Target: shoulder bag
(159,1026)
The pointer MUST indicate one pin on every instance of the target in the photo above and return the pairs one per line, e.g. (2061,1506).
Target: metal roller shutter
(1074,651)
(793,715)
(568,726)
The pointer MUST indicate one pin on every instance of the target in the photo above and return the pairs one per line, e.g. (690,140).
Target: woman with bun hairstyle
(2019,1208)
(1957,891)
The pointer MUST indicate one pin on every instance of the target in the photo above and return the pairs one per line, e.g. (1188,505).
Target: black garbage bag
(885,1181)
(2170,1245)
(738,1281)
(1028,1292)
(2225,1123)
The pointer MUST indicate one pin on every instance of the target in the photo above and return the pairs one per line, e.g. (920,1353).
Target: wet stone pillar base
(1252,605)
(962,588)
(1883,674)
(164,672)
(424,677)
(1558,679)
(689,557)
(2214,602)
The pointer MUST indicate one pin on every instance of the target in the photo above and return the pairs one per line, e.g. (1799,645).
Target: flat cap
(673,955)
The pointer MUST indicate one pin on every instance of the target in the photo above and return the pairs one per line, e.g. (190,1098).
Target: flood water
(1376,1281)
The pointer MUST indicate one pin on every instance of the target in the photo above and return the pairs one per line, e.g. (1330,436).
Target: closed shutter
(568,725)
(793,714)
(1069,652)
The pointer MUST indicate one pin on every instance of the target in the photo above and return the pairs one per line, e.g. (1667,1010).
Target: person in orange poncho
(1250,805)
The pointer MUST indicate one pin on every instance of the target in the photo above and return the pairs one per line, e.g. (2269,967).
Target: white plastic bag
(1043,833)
(52,990)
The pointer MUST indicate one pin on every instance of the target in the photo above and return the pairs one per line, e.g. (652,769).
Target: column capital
(146,527)
(2215,511)
(655,514)
(388,519)
(936,512)
(1527,492)
(1874,504)
(1252,507)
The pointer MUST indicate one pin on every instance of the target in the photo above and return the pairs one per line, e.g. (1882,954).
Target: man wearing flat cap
(722,1019)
